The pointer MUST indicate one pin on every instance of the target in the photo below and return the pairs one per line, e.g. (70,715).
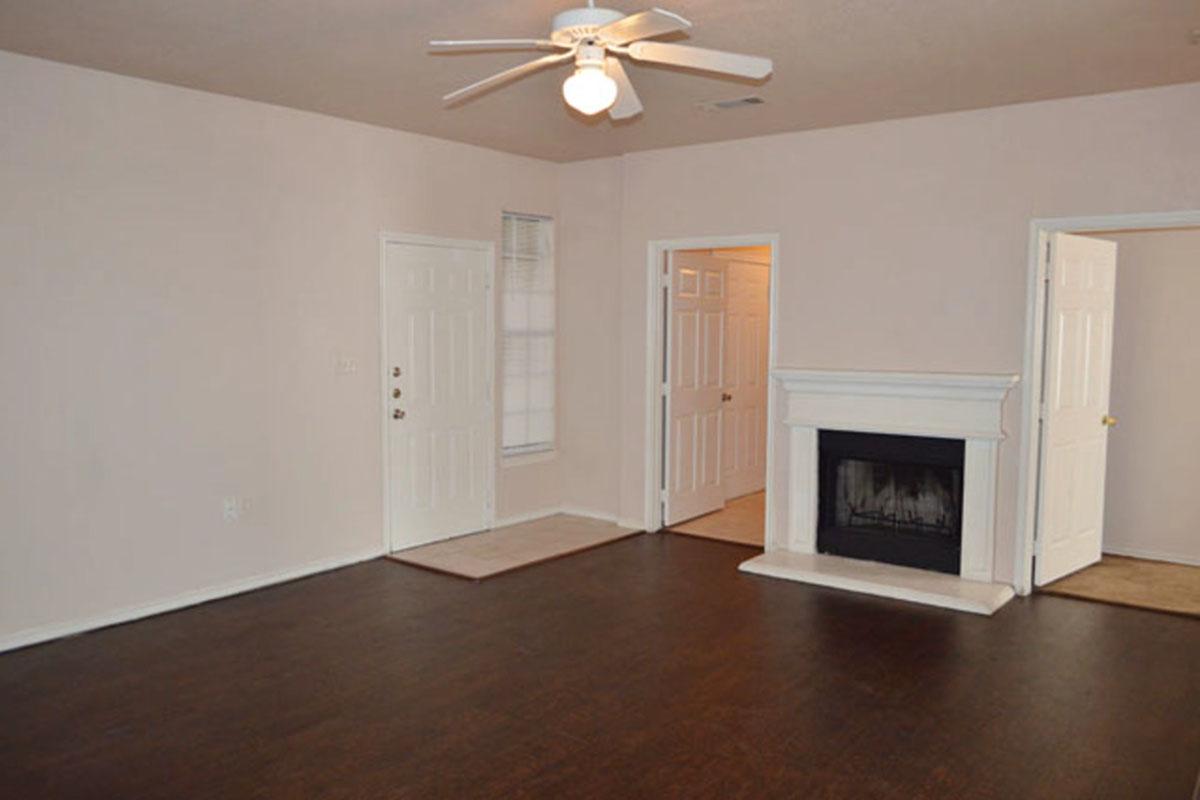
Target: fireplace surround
(964,409)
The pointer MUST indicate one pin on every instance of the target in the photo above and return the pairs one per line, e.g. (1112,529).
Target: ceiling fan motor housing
(576,24)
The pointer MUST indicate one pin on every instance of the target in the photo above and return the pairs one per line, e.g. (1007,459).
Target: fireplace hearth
(890,498)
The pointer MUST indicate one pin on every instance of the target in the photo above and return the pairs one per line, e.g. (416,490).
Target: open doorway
(714,350)
(1109,507)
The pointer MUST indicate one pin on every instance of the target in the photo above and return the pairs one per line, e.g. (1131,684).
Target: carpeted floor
(482,555)
(742,521)
(1136,582)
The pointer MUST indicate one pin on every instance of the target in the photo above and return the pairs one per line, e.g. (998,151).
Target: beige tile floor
(482,555)
(1136,582)
(742,521)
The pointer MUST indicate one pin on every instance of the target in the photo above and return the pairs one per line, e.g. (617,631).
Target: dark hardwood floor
(645,668)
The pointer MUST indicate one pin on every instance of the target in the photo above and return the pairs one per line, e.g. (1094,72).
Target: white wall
(1154,452)
(904,243)
(589,271)
(179,272)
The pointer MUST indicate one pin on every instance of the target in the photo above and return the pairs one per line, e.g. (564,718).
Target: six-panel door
(439,412)
(1074,436)
(744,423)
(696,356)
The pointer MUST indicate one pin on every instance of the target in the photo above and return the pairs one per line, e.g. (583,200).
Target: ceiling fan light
(590,91)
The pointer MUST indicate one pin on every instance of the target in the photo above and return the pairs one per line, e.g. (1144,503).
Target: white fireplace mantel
(947,405)
(952,405)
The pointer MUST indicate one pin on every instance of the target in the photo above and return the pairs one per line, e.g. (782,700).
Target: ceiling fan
(594,37)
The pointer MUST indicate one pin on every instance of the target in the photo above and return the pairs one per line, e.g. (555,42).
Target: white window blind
(528,330)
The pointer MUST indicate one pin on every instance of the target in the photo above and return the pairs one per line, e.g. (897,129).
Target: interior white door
(743,423)
(1075,421)
(695,355)
(438,373)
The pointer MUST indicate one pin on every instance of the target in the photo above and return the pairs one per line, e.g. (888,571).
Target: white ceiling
(836,61)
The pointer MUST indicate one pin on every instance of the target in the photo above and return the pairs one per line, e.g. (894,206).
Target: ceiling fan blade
(628,104)
(493,44)
(681,55)
(508,75)
(643,25)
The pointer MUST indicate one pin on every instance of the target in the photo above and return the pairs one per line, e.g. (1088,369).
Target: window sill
(525,459)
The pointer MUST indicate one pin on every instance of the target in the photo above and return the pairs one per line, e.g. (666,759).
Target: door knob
(398,414)
(1108,421)
(396,393)
(726,397)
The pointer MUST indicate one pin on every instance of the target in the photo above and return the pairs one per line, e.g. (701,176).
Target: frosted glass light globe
(589,91)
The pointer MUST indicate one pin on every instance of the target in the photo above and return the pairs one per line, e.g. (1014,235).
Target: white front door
(1074,436)
(439,419)
(695,356)
(744,423)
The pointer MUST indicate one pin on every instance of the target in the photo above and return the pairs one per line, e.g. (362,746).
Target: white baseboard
(58,630)
(574,511)
(1151,555)
(624,522)
(528,516)
(46,633)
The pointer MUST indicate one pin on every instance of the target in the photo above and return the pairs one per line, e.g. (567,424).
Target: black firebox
(895,499)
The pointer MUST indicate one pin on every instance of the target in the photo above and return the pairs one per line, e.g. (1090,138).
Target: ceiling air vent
(736,102)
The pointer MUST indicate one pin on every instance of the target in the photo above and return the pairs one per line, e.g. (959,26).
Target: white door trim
(1035,348)
(655,253)
(488,248)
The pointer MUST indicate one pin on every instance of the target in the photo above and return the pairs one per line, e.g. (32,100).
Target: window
(527,357)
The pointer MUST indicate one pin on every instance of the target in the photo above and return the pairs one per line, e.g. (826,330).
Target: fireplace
(935,435)
(890,498)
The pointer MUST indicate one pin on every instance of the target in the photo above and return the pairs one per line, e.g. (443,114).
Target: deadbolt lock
(398,414)
(395,372)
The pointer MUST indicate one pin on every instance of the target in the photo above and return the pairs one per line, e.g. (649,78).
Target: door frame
(1029,475)
(488,248)
(656,389)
